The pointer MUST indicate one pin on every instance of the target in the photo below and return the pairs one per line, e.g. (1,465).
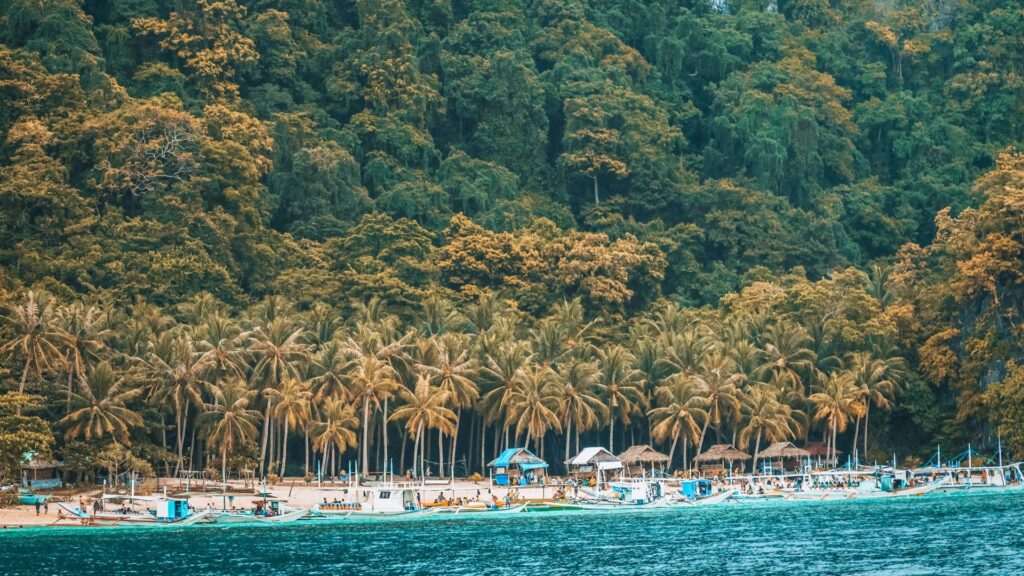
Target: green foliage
(740,158)
(21,434)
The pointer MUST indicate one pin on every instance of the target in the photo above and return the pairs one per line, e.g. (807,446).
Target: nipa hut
(529,466)
(636,459)
(786,454)
(720,457)
(590,460)
(41,474)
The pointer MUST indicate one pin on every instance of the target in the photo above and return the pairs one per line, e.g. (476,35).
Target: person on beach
(38,506)
(46,506)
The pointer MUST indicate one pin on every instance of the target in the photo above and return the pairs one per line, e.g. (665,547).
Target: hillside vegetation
(263,233)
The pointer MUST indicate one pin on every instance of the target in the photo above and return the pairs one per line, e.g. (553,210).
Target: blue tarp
(504,460)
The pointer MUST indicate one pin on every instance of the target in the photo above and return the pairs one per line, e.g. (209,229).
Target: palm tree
(717,385)
(533,404)
(621,386)
(878,380)
(277,348)
(678,407)
(683,350)
(837,403)
(579,407)
(501,370)
(232,423)
(218,342)
(453,371)
(787,357)
(33,336)
(765,417)
(424,408)
(329,367)
(176,374)
(292,408)
(84,331)
(335,430)
(371,381)
(99,407)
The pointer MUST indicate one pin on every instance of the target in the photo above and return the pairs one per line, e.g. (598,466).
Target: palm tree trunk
(703,433)
(266,433)
(483,444)
(440,453)
(856,433)
(24,377)
(686,461)
(366,429)
(306,445)
(401,457)
(611,435)
(757,451)
(834,429)
(284,448)
(867,412)
(423,447)
(672,450)
(455,438)
(384,433)
(71,373)
(568,436)
(415,453)
(224,464)
(597,199)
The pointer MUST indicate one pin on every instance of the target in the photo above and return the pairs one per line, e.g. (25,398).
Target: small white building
(592,459)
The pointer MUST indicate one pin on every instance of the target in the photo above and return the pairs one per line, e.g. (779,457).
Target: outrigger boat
(117,509)
(700,492)
(887,483)
(972,471)
(268,509)
(481,508)
(383,501)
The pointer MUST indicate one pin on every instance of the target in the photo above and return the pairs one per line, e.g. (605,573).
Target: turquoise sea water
(949,534)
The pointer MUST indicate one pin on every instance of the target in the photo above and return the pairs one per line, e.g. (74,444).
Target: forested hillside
(233,233)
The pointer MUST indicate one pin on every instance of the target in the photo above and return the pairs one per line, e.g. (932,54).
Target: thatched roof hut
(721,453)
(782,451)
(641,455)
(819,449)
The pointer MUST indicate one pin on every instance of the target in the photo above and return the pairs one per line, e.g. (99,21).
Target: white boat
(382,501)
(118,509)
(709,500)
(266,509)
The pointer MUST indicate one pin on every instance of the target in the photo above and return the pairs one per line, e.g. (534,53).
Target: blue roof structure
(522,457)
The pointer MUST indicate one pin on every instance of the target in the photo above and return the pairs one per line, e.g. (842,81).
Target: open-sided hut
(720,457)
(504,468)
(786,454)
(592,459)
(41,474)
(642,457)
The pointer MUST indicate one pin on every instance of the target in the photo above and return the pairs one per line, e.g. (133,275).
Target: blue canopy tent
(527,463)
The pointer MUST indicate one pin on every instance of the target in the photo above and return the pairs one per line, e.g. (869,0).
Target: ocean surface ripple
(951,534)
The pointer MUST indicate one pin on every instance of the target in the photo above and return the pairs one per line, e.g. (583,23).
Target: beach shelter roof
(591,456)
(641,454)
(722,452)
(521,457)
(819,449)
(784,450)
